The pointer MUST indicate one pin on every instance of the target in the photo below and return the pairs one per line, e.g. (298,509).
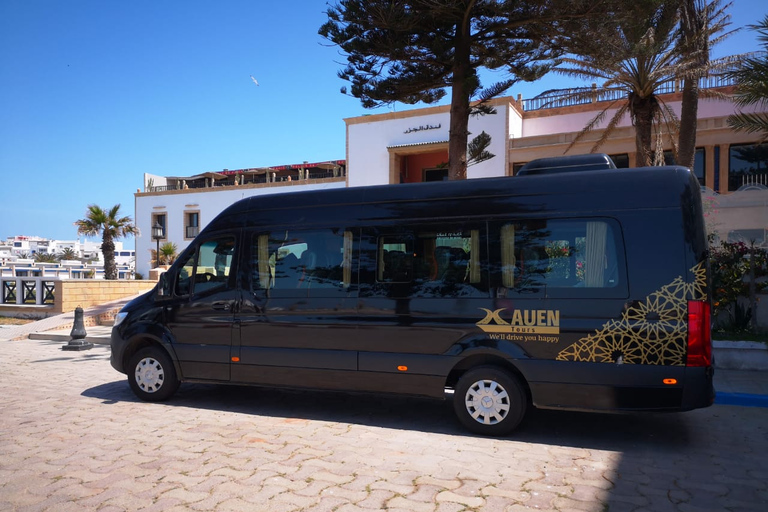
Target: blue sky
(94,93)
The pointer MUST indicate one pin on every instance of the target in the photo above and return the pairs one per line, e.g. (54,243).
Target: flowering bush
(730,263)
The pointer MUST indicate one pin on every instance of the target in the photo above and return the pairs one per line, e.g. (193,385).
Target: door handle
(222,306)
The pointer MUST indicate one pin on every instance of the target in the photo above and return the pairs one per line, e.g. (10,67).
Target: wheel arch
(145,339)
(487,359)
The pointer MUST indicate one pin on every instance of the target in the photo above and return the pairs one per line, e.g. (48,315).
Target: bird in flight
(254,80)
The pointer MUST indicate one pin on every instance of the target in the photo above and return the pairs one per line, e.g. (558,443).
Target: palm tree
(752,87)
(111,226)
(168,253)
(67,254)
(41,257)
(635,62)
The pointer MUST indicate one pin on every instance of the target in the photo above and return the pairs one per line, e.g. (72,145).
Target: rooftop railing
(244,179)
(567,98)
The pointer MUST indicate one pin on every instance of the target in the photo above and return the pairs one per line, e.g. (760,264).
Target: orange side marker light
(402,368)
(235,359)
(670,381)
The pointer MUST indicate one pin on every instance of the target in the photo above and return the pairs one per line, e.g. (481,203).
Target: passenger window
(302,262)
(209,267)
(552,254)
(437,261)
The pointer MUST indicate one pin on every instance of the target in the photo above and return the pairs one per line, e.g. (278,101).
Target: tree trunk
(108,249)
(461,89)
(686,152)
(692,21)
(643,112)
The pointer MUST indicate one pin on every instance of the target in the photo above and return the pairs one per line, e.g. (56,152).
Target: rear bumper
(610,387)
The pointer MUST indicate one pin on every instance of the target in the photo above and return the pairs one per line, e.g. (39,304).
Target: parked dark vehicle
(580,290)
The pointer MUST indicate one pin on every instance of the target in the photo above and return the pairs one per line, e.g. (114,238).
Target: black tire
(490,401)
(151,375)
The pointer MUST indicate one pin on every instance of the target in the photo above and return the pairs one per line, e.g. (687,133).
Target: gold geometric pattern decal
(650,332)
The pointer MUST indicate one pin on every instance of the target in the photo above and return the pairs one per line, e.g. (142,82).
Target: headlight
(119,318)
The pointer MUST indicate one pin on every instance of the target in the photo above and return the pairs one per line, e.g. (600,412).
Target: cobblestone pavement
(73,437)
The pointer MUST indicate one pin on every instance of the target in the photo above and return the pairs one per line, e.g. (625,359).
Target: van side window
(438,261)
(209,267)
(302,262)
(548,255)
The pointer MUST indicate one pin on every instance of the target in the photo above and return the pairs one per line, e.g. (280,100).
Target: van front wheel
(151,375)
(489,401)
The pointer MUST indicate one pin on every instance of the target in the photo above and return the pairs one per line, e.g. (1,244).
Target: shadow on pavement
(709,459)
(616,432)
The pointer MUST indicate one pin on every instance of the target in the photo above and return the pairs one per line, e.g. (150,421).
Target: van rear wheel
(151,375)
(489,401)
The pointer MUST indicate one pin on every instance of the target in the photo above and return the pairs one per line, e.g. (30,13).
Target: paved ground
(73,437)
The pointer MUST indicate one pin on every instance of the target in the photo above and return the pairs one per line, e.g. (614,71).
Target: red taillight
(699,334)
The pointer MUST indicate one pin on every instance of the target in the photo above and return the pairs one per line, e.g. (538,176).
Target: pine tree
(414,51)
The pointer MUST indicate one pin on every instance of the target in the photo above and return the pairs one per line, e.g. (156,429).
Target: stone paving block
(330,504)
(438,482)
(449,506)
(473,502)
(332,477)
(566,503)
(399,502)
(515,496)
(393,487)
(376,499)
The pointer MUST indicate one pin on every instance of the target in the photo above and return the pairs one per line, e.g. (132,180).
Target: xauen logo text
(524,325)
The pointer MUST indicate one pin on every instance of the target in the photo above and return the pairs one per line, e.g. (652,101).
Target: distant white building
(17,247)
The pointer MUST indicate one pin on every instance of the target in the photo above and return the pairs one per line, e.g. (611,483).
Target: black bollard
(78,334)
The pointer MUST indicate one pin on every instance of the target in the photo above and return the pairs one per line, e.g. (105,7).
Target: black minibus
(581,290)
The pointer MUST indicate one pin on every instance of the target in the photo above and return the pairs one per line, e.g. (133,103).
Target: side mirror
(162,286)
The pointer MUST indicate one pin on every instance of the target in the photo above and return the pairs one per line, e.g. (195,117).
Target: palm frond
(750,123)
(612,124)
(590,126)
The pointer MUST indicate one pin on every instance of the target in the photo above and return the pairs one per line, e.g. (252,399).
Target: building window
(162,219)
(747,164)
(516,167)
(699,164)
(191,225)
(436,174)
(621,161)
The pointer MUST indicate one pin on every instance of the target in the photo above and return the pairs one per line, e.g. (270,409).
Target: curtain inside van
(474,257)
(265,272)
(508,255)
(346,263)
(595,264)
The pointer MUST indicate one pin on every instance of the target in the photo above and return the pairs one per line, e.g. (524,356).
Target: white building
(412,146)
(16,247)
(184,205)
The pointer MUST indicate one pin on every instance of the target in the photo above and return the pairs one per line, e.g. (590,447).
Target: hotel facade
(412,146)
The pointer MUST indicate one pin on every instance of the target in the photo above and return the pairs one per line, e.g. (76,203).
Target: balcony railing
(567,99)
(247,180)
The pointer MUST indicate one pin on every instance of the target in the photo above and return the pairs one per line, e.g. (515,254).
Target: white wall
(367,142)
(209,202)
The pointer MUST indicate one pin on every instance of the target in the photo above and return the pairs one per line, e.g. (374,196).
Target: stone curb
(740,355)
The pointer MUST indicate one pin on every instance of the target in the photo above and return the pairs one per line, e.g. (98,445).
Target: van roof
(612,189)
